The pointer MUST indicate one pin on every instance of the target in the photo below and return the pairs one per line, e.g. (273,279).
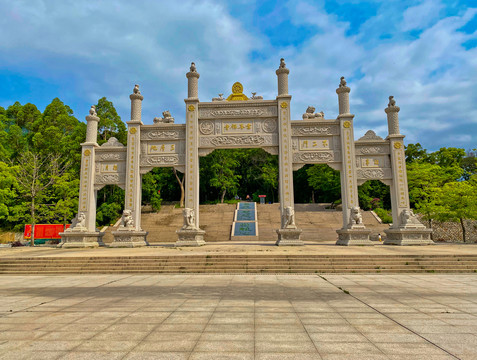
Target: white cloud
(104,48)
(420,16)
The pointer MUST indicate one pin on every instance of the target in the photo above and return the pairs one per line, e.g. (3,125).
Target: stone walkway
(239,317)
(245,248)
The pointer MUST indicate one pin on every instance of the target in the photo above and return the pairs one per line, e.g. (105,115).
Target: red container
(45,231)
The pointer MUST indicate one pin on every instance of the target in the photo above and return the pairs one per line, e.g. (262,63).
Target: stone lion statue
(192,67)
(136,89)
(189,219)
(310,113)
(408,218)
(92,111)
(392,102)
(342,81)
(289,218)
(355,217)
(127,219)
(166,119)
(78,223)
(282,63)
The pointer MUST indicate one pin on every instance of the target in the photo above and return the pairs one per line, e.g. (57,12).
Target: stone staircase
(239,264)
(318,223)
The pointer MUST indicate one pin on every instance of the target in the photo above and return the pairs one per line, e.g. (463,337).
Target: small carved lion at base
(189,219)
(127,219)
(355,217)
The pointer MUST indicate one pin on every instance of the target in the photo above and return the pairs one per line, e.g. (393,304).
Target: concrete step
(240,264)
(228,271)
(318,224)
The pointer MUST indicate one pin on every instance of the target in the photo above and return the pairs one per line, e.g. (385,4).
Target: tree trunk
(32,239)
(430,227)
(181,185)
(312,196)
(223,196)
(463,228)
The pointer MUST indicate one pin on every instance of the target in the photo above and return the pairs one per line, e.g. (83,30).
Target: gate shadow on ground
(272,292)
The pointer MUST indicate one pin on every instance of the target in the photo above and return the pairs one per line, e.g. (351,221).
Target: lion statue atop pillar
(166,119)
(310,114)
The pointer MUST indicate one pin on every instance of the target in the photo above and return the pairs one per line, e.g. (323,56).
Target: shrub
(384,215)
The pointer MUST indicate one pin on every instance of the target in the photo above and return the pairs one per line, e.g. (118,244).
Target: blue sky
(422,52)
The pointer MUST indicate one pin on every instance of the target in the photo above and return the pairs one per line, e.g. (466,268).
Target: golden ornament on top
(87,152)
(191,108)
(133,130)
(237,88)
(284,105)
(237,93)
(397,145)
(347,124)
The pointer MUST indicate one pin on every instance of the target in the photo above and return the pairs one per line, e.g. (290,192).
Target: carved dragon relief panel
(372,149)
(162,160)
(224,141)
(234,111)
(316,157)
(384,175)
(314,129)
(159,133)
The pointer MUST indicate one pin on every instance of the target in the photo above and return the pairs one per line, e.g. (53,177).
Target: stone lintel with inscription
(322,127)
(162,132)
(225,110)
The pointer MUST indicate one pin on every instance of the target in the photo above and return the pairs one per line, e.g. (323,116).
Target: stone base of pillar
(129,239)
(190,237)
(408,237)
(289,237)
(81,239)
(348,237)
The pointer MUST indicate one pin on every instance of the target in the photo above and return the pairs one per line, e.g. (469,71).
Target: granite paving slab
(415,316)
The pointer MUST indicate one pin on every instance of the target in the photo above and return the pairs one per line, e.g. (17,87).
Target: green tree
(448,157)
(110,124)
(180,181)
(469,164)
(325,181)
(52,133)
(374,194)
(424,180)
(223,176)
(270,178)
(415,152)
(66,190)
(110,205)
(8,194)
(459,203)
(35,175)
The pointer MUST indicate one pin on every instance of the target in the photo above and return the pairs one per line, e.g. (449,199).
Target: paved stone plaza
(239,317)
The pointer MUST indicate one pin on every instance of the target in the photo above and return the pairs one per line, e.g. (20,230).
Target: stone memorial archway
(241,122)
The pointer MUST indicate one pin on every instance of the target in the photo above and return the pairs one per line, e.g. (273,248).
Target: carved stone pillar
(406,229)
(288,234)
(191,234)
(83,232)
(282,75)
(353,232)
(129,233)
(343,97)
